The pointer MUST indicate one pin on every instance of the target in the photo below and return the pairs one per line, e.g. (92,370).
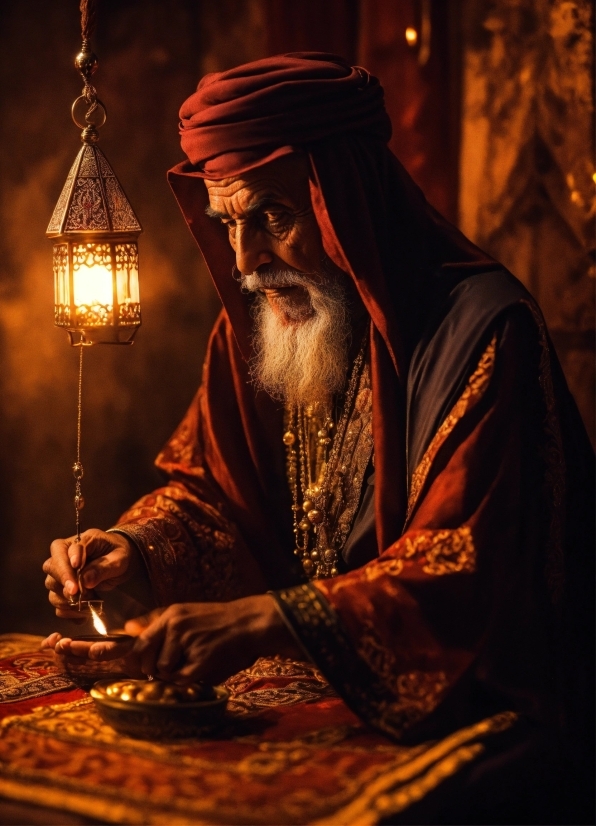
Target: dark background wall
(151,56)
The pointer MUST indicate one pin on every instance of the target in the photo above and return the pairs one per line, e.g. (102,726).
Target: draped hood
(376,225)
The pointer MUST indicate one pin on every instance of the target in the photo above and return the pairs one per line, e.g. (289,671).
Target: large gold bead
(308,566)
(304,525)
(307,505)
(314,555)
(315,516)
(334,571)
(322,434)
(289,438)
(329,555)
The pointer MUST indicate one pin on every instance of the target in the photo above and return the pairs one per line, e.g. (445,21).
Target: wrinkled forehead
(284,180)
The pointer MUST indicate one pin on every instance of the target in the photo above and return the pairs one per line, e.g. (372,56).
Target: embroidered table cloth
(289,752)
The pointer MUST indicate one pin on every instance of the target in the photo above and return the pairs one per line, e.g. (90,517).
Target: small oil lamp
(87,672)
(94,610)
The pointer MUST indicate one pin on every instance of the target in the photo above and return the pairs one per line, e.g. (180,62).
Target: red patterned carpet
(290,752)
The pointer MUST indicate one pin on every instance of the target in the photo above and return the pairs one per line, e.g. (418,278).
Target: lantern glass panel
(61,285)
(127,283)
(92,284)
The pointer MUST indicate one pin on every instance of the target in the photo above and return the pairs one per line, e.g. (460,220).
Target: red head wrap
(252,114)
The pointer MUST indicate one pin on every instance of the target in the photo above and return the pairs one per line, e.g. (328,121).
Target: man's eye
(228,222)
(278,220)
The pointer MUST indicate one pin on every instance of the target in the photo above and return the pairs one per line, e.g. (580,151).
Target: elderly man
(383,469)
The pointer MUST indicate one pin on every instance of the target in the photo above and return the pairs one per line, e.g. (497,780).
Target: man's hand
(210,641)
(193,641)
(108,559)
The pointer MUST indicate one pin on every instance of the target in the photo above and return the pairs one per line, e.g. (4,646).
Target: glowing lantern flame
(98,623)
(93,286)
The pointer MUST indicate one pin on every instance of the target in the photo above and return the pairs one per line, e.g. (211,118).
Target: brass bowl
(159,721)
(87,673)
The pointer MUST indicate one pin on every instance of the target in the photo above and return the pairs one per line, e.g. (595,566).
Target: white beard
(302,359)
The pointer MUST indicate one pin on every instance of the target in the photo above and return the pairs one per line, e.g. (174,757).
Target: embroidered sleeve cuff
(157,555)
(321,633)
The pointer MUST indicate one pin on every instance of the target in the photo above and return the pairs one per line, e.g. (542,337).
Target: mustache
(272,279)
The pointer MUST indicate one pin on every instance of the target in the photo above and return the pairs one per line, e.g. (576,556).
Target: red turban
(252,114)
(376,226)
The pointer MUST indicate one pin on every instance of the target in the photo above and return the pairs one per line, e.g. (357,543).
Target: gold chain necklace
(313,452)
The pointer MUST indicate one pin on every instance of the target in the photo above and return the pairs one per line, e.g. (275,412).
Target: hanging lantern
(96,258)
(95,231)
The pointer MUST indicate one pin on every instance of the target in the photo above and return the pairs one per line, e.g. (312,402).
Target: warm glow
(128,286)
(92,286)
(98,623)
(411,36)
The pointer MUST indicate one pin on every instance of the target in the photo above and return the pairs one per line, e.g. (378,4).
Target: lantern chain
(86,61)
(88,19)
(77,468)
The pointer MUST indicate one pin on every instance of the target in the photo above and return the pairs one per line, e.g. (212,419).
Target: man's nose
(252,249)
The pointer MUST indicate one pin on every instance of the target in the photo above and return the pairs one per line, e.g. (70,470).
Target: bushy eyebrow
(267,201)
(213,213)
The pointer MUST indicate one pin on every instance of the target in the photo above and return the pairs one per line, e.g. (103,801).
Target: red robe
(475,599)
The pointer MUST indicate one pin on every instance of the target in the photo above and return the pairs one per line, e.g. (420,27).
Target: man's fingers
(56,587)
(106,571)
(50,642)
(170,657)
(62,646)
(110,650)
(148,645)
(76,555)
(59,565)
(64,609)
(58,601)
(187,674)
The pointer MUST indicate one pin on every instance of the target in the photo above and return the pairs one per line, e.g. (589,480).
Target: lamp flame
(98,623)
(92,286)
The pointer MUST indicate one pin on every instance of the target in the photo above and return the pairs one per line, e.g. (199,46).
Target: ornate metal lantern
(95,230)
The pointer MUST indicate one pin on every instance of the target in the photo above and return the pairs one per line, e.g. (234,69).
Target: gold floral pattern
(446,552)
(189,547)
(418,693)
(32,673)
(473,392)
(309,760)
(449,551)
(354,457)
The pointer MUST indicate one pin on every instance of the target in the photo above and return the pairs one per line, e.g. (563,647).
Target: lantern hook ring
(96,105)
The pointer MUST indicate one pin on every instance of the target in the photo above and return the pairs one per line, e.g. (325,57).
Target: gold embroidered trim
(354,457)
(473,392)
(446,552)
(387,796)
(418,693)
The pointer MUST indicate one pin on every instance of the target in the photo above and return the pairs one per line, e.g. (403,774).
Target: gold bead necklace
(313,445)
